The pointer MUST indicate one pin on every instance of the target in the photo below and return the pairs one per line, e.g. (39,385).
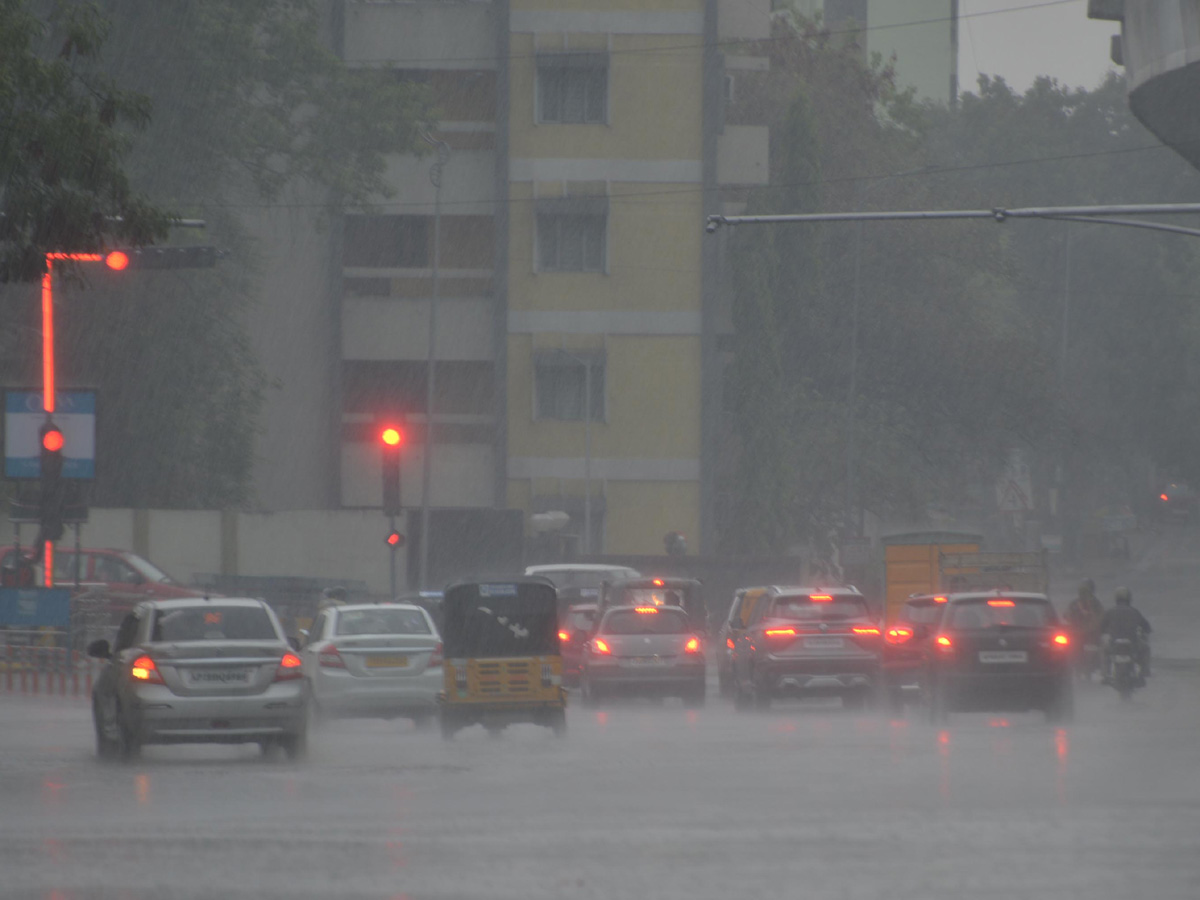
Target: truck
(946,562)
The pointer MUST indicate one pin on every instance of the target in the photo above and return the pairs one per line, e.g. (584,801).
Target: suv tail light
(289,668)
(564,637)
(144,669)
(692,646)
(781,632)
(329,658)
(1061,640)
(944,643)
(865,629)
(898,634)
(436,658)
(600,647)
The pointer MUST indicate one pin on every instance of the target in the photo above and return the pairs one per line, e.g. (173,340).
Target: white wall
(337,544)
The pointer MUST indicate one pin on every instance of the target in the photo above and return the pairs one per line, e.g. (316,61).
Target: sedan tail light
(1061,640)
(600,647)
(436,658)
(329,658)
(898,634)
(144,669)
(692,646)
(289,668)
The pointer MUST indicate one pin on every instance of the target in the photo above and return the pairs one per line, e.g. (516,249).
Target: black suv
(1000,651)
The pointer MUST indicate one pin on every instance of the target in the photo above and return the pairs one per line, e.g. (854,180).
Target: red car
(121,577)
(574,628)
(906,645)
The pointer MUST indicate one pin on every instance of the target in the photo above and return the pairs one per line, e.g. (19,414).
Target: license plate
(387,662)
(1003,656)
(219,676)
(824,643)
(644,662)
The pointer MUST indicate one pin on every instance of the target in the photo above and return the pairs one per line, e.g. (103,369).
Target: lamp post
(442,150)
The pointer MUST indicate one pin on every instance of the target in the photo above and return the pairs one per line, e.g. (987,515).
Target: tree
(65,135)
(244,106)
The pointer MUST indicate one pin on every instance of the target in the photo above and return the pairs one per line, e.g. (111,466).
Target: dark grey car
(199,671)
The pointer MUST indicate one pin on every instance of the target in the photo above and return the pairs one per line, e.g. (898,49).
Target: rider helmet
(1124,596)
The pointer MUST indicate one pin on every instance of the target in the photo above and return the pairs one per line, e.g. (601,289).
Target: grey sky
(1020,44)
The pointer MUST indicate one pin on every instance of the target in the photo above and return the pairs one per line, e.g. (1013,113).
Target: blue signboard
(75,416)
(34,607)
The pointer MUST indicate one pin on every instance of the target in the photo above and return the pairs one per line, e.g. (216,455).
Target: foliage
(65,132)
(244,108)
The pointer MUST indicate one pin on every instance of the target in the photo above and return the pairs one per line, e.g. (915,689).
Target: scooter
(1125,673)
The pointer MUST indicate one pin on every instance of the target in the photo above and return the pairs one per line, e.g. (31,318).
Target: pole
(1066,311)
(392,557)
(435,176)
(853,392)
(587,456)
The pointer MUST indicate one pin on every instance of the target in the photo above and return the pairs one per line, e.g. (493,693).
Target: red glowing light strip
(48,563)
(48,323)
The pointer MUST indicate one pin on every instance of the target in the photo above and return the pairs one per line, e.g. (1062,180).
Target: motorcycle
(1125,673)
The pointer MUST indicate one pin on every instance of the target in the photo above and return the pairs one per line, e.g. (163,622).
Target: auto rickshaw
(502,659)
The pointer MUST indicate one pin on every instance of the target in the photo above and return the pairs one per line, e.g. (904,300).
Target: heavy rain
(429,476)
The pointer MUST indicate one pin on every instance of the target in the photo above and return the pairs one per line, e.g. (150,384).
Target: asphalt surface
(642,800)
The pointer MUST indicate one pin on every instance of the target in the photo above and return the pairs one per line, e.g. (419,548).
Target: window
(560,387)
(382,621)
(572,88)
(569,243)
(210,622)
(387,242)
(630,621)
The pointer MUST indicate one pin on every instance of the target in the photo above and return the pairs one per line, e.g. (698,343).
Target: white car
(373,660)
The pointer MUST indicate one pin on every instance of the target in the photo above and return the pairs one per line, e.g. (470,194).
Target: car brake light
(898,634)
(864,629)
(781,632)
(435,658)
(658,582)
(729,643)
(289,668)
(939,600)
(565,637)
(1164,498)
(145,670)
(645,609)
(1062,640)
(944,642)
(329,658)
(599,646)
(692,646)
(1001,603)
(821,598)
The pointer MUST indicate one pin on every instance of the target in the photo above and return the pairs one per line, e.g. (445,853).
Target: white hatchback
(374,660)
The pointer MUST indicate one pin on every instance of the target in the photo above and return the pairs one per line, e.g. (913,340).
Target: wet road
(638,800)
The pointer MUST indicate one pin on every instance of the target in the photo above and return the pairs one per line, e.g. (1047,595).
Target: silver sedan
(375,660)
(199,671)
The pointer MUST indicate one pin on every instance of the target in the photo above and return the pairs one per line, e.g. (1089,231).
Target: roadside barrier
(46,671)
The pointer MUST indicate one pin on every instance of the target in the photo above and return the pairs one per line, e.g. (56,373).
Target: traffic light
(391,439)
(394,539)
(196,256)
(50,508)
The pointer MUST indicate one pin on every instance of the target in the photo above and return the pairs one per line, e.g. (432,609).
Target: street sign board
(75,415)
(35,607)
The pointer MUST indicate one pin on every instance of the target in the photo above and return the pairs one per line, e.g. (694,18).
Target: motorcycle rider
(1083,618)
(1124,621)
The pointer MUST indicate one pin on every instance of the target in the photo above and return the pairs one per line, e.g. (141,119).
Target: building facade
(576,297)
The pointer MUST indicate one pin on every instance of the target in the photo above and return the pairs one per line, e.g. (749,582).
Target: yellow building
(577,300)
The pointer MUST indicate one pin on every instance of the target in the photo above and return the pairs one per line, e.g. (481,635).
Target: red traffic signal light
(392,436)
(394,539)
(117,260)
(52,440)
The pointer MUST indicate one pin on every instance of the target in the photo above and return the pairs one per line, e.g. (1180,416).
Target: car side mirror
(99,649)
(293,642)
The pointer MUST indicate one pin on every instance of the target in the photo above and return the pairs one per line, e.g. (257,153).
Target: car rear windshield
(212,622)
(650,597)
(581,619)
(630,621)
(922,613)
(989,613)
(381,621)
(582,579)
(805,609)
